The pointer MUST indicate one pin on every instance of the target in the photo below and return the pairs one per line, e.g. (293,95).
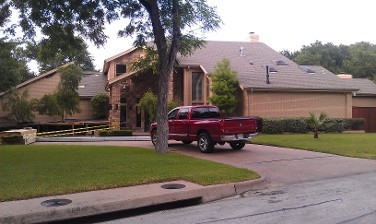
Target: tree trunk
(316,134)
(161,145)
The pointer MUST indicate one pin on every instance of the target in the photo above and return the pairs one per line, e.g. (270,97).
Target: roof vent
(242,51)
(307,69)
(279,62)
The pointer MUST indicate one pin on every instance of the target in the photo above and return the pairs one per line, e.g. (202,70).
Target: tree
(170,24)
(99,105)
(49,105)
(361,61)
(327,55)
(225,83)
(13,67)
(315,122)
(51,54)
(149,103)
(67,95)
(19,107)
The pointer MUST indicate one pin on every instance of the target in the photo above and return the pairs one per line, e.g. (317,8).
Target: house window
(121,69)
(197,86)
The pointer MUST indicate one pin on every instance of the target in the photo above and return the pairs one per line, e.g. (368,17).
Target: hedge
(116,133)
(298,125)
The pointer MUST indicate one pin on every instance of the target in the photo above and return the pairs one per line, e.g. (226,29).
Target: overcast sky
(287,24)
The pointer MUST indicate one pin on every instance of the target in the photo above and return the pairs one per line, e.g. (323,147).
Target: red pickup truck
(205,125)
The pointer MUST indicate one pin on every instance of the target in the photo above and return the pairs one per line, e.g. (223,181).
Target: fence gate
(369,114)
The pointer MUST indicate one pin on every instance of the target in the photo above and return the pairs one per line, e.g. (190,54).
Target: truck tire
(187,142)
(237,145)
(204,143)
(154,136)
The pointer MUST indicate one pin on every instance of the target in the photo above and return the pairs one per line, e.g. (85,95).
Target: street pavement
(279,167)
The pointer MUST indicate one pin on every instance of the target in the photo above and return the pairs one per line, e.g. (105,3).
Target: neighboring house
(47,83)
(364,101)
(270,85)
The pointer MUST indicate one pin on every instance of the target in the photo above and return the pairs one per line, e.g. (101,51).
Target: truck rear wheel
(237,145)
(204,143)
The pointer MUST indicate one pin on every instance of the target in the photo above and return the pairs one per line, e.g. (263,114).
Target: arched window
(197,86)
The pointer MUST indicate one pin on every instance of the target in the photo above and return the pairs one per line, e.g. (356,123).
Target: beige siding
(364,101)
(37,90)
(86,113)
(299,104)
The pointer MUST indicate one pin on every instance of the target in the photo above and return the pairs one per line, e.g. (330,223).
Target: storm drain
(173,186)
(56,202)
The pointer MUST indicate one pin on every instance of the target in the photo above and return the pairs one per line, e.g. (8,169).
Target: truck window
(172,115)
(183,114)
(202,112)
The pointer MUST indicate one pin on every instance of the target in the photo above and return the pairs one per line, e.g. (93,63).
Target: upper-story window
(197,86)
(120,69)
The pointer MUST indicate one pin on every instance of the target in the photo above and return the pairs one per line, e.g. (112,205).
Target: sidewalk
(118,199)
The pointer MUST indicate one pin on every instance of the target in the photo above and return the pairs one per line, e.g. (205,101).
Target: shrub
(12,140)
(281,125)
(354,124)
(333,125)
(298,125)
(104,133)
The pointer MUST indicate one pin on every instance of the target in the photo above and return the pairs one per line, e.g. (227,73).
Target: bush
(115,133)
(12,140)
(298,125)
(354,124)
(333,125)
(281,125)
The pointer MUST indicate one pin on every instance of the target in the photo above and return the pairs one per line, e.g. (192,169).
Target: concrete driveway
(281,166)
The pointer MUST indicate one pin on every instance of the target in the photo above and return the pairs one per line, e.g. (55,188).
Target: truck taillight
(222,126)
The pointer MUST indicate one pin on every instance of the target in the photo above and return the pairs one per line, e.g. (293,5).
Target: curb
(93,139)
(121,203)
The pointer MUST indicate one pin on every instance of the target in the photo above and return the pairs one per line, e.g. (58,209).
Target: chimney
(254,37)
(345,76)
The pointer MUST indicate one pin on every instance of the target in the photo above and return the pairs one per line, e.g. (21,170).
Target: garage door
(368,113)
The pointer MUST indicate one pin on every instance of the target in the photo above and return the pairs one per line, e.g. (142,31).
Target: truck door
(171,122)
(181,125)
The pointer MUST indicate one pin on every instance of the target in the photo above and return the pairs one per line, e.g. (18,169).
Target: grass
(351,145)
(41,170)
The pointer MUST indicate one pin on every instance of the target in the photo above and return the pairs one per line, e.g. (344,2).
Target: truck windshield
(205,112)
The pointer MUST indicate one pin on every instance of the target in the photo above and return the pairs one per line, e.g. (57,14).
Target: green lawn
(352,145)
(41,170)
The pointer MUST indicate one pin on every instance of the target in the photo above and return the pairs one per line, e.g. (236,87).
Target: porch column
(114,113)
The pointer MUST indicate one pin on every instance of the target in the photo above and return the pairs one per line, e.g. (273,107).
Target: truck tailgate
(239,125)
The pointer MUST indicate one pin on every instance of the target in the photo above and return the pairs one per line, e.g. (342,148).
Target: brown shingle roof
(366,87)
(92,83)
(250,66)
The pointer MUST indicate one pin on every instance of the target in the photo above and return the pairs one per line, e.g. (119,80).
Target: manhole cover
(173,186)
(56,202)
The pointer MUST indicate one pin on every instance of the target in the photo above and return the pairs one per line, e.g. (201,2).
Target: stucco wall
(299,104)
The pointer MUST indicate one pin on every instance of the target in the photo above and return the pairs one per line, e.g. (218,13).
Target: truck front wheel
(204,143)
(237,145)
(154,137)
